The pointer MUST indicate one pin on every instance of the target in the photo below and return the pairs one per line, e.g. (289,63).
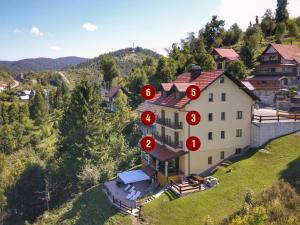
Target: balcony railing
(169,123)
(293,73)
(270,62)
(169,142)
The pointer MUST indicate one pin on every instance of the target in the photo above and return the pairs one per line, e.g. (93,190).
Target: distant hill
(40,64)
(126,59)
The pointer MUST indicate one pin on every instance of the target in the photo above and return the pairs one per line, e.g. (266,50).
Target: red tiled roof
(113,91)
(288,52)
(162,153)
(146,106)
(203,81)
(227,53)
(181,87)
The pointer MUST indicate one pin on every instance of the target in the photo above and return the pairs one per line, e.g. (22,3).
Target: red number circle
(193,143)
(148,118)
(147,143)
(193,117)
(148,92)
(193,92)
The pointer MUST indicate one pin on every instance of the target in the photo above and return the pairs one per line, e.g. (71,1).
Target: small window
(209,160)
(164,94)
(223,97)
(238,151)
(222,155)
(222,79)
(210,97)
(222,134)
(238,132)
(222,115)
(239,115)
(210,136)
(210,117)
(220,66)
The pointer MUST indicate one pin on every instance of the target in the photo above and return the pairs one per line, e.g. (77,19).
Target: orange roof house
(223,56)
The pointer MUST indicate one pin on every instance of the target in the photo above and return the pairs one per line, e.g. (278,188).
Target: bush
(88,176)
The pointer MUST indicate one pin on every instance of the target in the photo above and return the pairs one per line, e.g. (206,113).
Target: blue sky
(32,28)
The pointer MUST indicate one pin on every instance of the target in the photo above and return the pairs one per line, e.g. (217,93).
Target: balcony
(168,142)
(169,123)
(270,62)
(261,73)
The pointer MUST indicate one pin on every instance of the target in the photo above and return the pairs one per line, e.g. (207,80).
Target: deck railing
(279,117)
(169,142)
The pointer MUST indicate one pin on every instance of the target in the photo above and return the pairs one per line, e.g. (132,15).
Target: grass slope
(254,171)
(90,208)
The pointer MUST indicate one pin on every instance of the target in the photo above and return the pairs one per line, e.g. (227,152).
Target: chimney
(195,71)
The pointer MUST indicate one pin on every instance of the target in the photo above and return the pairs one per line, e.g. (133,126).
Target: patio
(115,191)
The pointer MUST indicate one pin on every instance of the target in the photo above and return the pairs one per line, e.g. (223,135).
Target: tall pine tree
(282,14)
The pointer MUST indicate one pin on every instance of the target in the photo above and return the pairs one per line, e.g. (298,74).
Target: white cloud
(89,27)
(244,11)
(17,30)
(36,32)
(55,48)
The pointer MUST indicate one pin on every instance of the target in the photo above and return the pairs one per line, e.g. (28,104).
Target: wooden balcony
(172,144)
(169,123)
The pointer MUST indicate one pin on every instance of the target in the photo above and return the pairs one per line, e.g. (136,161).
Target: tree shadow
(92,207)
(292,174)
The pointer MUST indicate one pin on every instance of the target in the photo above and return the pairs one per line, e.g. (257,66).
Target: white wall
(263,132)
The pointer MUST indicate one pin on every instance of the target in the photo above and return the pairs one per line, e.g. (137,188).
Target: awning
(133,176)
(162,153)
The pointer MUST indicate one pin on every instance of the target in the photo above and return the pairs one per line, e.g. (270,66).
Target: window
(210,97)
(238,151)
(222,115)
(222,155)
(220,66)
(222,79)
(238,132)
(210,136)
(210,117)
(222,134)
(164,94)
(239,115)
(209,160)
(223,97)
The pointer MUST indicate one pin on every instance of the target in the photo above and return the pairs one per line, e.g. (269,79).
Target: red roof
(203,81)
(227,53)
(113,91)
(162,153)
(288,52)
(3,85)
(146,106)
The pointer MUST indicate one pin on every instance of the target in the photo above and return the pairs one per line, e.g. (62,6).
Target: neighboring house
(145,130)
(279,68)
(110,96)
(225,106)
(223,56)
(25,95)
(3,86)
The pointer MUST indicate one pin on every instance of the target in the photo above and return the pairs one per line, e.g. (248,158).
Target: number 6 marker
(148,92)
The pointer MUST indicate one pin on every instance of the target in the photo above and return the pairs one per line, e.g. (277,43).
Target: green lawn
(255,171)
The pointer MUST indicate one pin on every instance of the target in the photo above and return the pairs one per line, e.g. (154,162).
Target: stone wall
(263,132)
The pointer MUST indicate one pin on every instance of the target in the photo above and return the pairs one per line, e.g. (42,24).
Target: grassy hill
(5,76)
(255,171)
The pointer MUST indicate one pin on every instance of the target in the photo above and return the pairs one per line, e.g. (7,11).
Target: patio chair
(130,195)
(131,189)
(127,187)
(134,197)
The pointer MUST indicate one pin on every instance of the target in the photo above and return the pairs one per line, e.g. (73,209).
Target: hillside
(40,64)
(254,171)
(126,59)
(5,76)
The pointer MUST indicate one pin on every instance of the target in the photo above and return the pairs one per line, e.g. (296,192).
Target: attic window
(164,94)
(177,95)
(222,79)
